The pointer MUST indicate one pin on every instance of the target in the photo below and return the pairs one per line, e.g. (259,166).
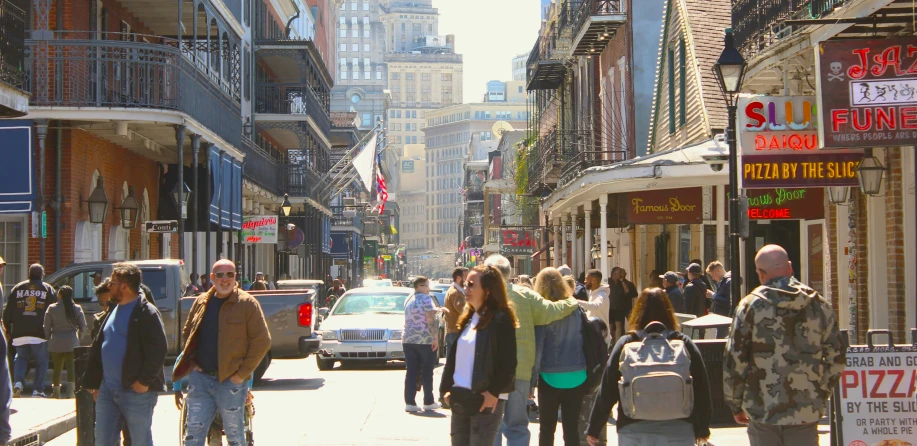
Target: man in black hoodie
(696,291)
(24,319)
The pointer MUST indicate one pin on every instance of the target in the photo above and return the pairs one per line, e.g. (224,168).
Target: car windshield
(370,303)
(371,282)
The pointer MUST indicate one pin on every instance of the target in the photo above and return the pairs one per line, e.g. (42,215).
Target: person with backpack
(64,321)
(657,401)
(560,364)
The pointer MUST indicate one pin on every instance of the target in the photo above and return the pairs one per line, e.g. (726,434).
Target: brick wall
(831,255)
(615,96)
(83,153)
(862,265)
(894,228)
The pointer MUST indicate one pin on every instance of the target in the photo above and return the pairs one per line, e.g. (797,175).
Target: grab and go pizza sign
(876,396)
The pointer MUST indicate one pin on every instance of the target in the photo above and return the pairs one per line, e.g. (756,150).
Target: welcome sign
(259,229)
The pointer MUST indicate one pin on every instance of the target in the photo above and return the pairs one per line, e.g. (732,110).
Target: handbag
(465,402)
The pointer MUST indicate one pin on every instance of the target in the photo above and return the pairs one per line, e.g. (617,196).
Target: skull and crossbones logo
(837,73)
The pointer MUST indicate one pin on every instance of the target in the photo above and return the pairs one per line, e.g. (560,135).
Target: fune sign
(867,92)
(259,229)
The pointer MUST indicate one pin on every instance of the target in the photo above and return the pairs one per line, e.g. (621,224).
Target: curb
(46,432)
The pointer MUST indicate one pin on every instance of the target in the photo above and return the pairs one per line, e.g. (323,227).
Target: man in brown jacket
(226,338)
(454,305)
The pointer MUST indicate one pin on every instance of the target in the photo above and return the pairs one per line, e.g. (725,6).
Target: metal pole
(195,194)
(208,156)
(736,284)
(180,148)
(41,128)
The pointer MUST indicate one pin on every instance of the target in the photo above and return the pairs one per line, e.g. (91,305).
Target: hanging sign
(867,92)
(772,125)
(517,242)
(259,229)
(814,169)
(161,226)
(668,206)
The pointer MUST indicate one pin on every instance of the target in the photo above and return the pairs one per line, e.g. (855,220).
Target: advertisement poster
(259,229)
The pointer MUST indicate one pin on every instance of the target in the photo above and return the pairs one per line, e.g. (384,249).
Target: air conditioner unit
(350,201)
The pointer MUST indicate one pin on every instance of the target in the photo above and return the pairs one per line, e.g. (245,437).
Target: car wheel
(262,368)
(324,364)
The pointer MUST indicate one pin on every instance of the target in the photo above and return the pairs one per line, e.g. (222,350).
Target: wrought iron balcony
(474,194)
(293,101)
(261,167)
(113,70)
(12,44)
(584,160)
(546,65)
(544,164)
(338,219)
(758,24)
(595,22)
(299,180)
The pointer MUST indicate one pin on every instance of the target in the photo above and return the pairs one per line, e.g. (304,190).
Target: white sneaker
(412,408)
(433,406)
(37,394)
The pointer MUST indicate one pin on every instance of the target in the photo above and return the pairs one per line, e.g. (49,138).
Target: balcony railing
(77,69)
(545,162)
(546,65)
(474,194)
(757,24)
(12,44)
(595,22)
(293,100)
(372,229)
(584,160)
(261,167)
(339,220)
(299,180)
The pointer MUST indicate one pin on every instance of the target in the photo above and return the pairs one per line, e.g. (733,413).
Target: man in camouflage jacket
(783,357)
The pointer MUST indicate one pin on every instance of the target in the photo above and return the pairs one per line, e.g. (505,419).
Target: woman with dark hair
(652,313)
(64,320)
(480,369)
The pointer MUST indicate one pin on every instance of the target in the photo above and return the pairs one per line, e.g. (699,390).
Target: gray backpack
(656,376)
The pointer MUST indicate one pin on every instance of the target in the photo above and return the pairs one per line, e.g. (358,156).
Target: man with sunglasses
(124,372)
(226,338)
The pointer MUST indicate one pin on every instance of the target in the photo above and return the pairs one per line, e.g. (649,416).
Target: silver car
(365,325)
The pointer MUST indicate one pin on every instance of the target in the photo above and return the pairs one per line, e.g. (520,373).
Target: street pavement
(299,405)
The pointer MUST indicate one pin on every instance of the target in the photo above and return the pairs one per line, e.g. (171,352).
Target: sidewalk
(42,419)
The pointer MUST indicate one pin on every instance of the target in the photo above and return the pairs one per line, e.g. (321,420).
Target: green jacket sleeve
(544,311)
(835,354)
(737,358)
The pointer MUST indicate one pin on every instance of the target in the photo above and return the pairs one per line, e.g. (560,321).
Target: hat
(695,269)
(259,274)
(2,262)
(670,277)
(565,270)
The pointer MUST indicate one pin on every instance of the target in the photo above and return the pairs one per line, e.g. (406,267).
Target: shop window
(83,283)
(684,247)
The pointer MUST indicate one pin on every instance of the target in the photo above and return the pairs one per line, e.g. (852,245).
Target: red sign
(867,92)
(822,169)
(669,206)
(517,242)
(786,204)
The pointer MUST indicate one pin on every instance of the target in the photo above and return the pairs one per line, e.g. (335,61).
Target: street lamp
(98,203)
(838,194)
(729,70)
(248,127)
(286,207)
(181,194)
(130,210)
(869,174)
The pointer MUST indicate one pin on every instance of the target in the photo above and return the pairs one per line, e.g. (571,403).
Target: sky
(488,34)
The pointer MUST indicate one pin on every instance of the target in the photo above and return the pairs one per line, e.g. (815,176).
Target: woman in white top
(480,370)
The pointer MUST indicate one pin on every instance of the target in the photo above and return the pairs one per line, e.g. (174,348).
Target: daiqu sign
(867,92)
(670,206)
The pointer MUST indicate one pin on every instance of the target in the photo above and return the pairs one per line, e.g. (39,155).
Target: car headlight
(329,335)
(396,335)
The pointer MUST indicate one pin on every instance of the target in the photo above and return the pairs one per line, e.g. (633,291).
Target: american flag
(381,190)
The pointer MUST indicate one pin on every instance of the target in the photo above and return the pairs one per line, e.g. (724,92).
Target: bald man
(783,358)
(226,338)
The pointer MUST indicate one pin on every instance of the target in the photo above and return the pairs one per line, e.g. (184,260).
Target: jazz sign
(259,229)
(517,242)
(779,141)
(867,90)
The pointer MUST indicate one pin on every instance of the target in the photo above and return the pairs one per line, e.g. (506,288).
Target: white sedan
(365,325)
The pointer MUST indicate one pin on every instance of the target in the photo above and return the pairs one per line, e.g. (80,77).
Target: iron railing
(293,100)
(547,156)
(299,180)
(757,24)
(586,159)
(79,69)
(590,8)
(339,219)
(261,167)
(12,44)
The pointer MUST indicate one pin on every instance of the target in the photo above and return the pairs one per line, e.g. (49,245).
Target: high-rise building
(512,91)
(519,66)
(361,77)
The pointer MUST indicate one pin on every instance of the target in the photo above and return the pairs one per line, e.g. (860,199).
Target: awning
(546,246)
(17,190)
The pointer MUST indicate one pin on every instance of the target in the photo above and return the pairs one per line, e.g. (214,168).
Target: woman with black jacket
(652,306)
(480,369)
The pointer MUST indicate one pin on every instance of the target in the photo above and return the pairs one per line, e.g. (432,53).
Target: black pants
(569,401)
(478,428)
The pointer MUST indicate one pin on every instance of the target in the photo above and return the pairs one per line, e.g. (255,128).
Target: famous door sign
(867,90)
(875,398)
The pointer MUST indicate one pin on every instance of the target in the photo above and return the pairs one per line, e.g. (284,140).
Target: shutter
(670,71)
(682,82)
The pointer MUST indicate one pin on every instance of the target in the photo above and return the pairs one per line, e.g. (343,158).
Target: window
(84,283)
(379,75)
(409,76)
(343,75)
(414,114)
(394,76)
(353,21)
(355,47)
(684,247)
(366,47)
(425,76)
(344,61)
(343,47)
(353,5)
(355,99)
(367,119)
(355,32)
(366,20)
(365,5)
(367,75)
(366,32)
(344,31)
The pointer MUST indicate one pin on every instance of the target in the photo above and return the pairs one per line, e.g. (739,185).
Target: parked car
(290,314)
(365,325)
(306,284)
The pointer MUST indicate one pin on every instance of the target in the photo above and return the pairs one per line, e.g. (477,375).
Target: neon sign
(785,204)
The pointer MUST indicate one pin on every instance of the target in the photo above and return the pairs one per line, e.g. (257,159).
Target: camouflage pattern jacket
(784,354)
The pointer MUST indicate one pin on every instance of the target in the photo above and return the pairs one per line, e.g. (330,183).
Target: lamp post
(729,70)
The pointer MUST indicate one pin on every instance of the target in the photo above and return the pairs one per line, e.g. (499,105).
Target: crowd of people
(507,337)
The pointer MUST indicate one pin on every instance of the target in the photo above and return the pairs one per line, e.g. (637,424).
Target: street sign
(35,231)
(161,226)
(44,224)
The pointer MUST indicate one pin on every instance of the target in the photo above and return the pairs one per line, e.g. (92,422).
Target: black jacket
(676,297)
(146,351)
(494,358)
(696,297)
(24,314)
(609,394)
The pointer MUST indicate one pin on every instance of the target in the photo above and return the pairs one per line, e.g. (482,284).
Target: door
(785,233)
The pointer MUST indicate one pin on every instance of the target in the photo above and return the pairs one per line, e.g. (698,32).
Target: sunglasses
(228,275)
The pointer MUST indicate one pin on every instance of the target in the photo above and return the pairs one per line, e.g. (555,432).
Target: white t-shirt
(464,356)
(26,340)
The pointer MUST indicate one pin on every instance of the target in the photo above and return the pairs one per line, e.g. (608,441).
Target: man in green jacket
(531,310)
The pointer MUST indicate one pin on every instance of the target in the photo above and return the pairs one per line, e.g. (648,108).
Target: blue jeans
(515,418)
(21,364)
(419,358)
(117,406)
(206,396)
